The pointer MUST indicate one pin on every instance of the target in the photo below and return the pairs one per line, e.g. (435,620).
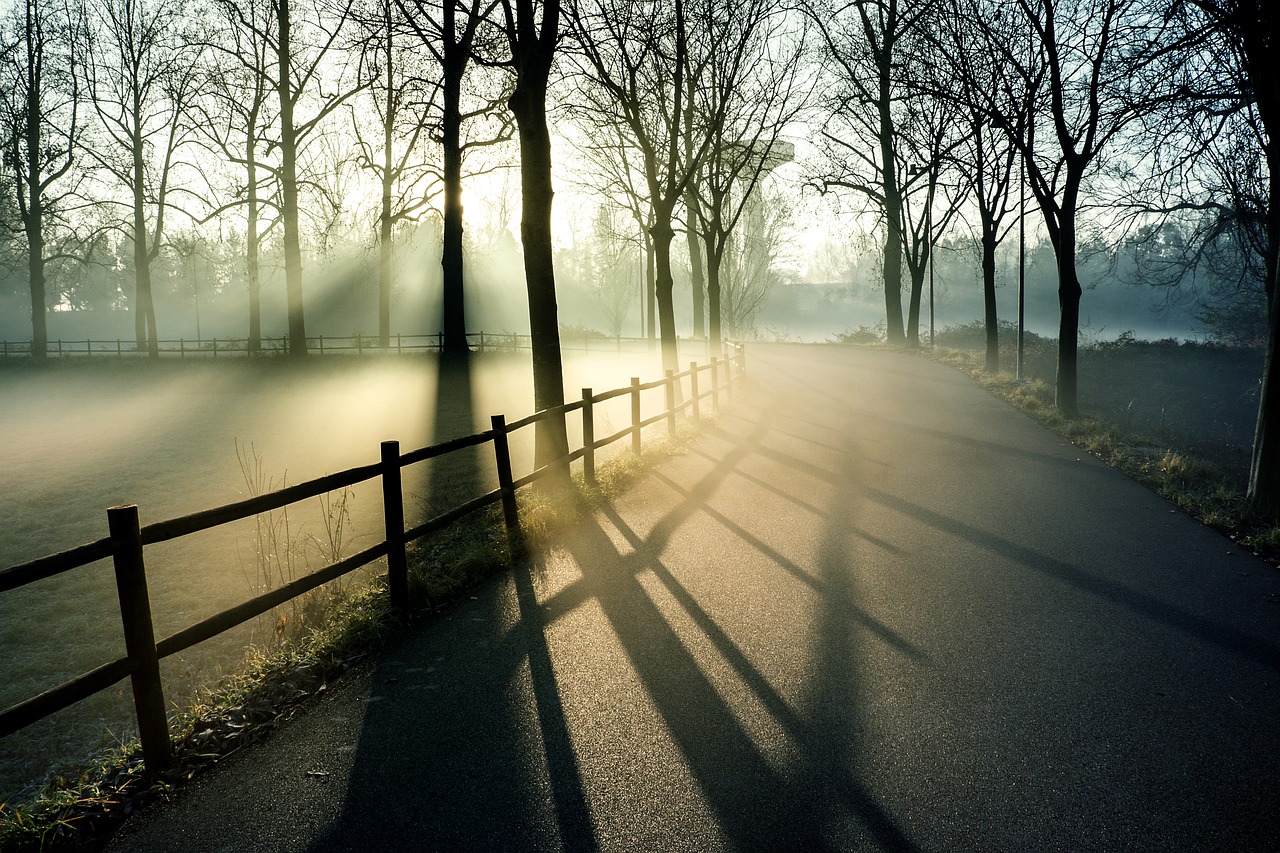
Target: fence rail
(319,344)
(128,539)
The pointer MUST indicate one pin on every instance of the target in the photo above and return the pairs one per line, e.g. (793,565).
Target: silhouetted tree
(142,76)
(865,102)
(235,121)
(751,91)
(308,78)
(1252,30)
(532,31)
(40,118)
(644,60)
(1089,67)
(449,31)
(962,70)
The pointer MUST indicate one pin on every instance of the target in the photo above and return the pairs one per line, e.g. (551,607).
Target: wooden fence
(319,344)
(127,541)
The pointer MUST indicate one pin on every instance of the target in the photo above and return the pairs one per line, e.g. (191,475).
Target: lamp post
(914,169)
(1022,258)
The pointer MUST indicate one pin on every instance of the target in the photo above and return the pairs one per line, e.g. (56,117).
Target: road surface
(872,608)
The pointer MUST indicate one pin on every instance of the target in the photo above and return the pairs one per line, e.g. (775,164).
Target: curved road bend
(873,608)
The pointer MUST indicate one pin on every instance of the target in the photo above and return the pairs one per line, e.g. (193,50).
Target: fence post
(742,360)
(506,482)
(588,440)
(182,347)
(635,414)
(215,347)
(693,390)
(393,518)
(671,402)
(139,635)
(399,346)
(118,346)
(359,344)
(88,347)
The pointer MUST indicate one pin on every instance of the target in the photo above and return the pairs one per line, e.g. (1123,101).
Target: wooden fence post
(139,636)
(693,390)
(635,415)
(506,482)
(671,402)
(588,440)
(393,517)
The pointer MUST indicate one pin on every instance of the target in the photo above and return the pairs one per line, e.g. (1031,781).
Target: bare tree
(609,160)
(865,100)
(749,252)
(309,81)
(141,76)
(928,137)
(40,119)
(450,31)
(236,118)
(751,92)
(644,58)
(962,71)
(532,32)
(614,265)
(399,91)
(1251,29)
(1089,70)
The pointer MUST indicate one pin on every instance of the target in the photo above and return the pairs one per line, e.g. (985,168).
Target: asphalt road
(873,608)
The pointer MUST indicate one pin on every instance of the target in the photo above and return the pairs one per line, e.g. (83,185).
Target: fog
(173,437)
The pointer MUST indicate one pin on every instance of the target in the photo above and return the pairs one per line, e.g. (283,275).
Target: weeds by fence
(128,539)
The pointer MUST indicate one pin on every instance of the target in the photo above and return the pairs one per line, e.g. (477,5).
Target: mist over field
(182,436)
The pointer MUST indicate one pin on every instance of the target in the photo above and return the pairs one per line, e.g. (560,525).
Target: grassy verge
(1195,484)
(74,810)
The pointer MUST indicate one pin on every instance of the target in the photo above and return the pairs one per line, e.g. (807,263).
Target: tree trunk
(384,264)
(695,265)
(892,212)
(1069,323)
(145,319)
(253,250)
(289,189)
(664,283)
(651,299)
(989,301)
(453,319)
(35,275)
(913,305)
(388,181)
(1264,467)
(528,103)
(715,261)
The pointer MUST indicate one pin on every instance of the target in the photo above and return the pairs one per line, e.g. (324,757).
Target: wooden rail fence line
(127,541)
(324,345)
